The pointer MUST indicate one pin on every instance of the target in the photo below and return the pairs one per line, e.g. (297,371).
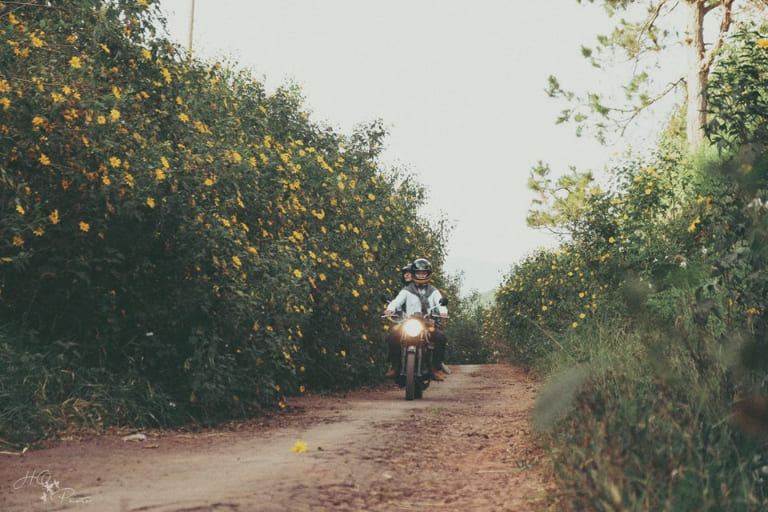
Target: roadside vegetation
(178,245)
(649,321)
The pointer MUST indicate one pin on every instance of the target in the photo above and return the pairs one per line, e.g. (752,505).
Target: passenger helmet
(407,269)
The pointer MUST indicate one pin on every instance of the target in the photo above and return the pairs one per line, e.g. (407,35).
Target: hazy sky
(459,83)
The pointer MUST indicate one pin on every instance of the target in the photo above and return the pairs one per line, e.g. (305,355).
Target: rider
(419,296)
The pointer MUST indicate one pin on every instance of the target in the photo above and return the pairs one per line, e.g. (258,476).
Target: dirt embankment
(466,446)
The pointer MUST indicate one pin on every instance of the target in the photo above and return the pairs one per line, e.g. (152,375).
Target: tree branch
(725,25)
(654,16)
(636,112)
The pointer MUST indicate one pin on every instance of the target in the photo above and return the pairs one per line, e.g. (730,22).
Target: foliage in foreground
(175,243)
(650,321)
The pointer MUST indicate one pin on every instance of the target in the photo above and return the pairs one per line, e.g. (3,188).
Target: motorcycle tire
(410,376)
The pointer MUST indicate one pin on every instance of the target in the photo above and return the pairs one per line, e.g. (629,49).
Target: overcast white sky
(459,83)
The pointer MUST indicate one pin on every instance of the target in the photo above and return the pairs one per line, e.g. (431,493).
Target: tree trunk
(697,76)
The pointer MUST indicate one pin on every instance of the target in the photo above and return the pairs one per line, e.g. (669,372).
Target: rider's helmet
(422,271)
(407,273)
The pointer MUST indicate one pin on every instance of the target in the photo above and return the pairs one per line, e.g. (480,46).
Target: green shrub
(173,234)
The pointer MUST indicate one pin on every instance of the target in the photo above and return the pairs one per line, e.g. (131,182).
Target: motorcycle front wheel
(410,376)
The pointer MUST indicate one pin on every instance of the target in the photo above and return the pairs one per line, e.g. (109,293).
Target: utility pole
(191,24)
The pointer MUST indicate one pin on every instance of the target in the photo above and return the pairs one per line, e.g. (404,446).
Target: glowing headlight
(412,327)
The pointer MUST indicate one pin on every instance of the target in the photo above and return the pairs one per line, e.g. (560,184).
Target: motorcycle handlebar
(399,318)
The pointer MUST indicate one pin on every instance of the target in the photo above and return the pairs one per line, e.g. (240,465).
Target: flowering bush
(171,231)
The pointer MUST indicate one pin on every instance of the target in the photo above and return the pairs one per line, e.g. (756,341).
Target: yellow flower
(297,273)
(84,226)
(150,202)
(5,86)
(575,324)
(116,91)
(762,43)
(114,115)
(208,182)
(165,163)
(101,120)
(146,54)
(343,353)
(75,62)
(18,241)
(299,447)
(184,118)
(166,75)
(54,217)
(371,197)
(142,3)
(45,160)
(355,293)
(611,240)
(20,209)
(114,161)
(236,262)
(692,226)
(37,121)
(39,231)
(6,103)
(159,175)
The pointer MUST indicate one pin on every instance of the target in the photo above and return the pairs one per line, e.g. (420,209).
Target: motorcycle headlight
(412,327)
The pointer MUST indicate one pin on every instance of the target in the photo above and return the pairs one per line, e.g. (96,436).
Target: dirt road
(466,446)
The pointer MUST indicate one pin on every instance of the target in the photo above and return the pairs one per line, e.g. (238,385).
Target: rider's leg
(393,355)
(439,340)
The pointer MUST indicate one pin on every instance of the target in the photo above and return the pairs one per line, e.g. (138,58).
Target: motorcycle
(416,351)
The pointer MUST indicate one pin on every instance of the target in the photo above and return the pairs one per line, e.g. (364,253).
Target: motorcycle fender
(411,349)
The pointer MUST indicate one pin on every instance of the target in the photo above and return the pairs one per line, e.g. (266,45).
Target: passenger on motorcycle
(420,297)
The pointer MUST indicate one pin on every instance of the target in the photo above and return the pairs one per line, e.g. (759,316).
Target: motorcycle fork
(419,359)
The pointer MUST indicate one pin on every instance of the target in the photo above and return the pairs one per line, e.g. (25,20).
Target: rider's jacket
(418,300)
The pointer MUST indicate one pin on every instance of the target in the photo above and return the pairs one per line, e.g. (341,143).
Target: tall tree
(658,28)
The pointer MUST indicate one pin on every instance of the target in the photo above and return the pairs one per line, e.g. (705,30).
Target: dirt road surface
(466,446)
